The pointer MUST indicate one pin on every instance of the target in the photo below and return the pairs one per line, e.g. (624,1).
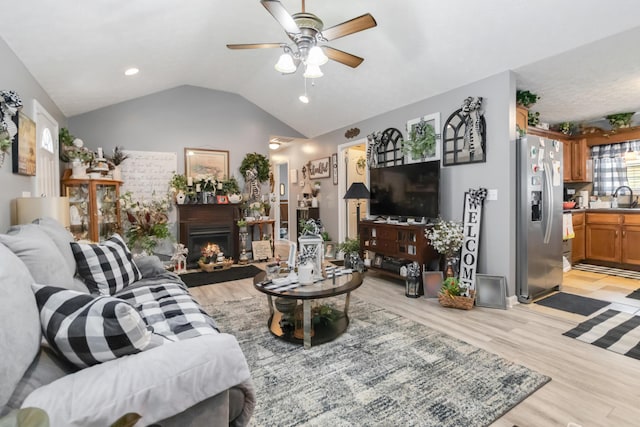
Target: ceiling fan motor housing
(310,32)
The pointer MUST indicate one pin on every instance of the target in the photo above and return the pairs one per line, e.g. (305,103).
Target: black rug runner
(573,303)
(233,273)
(635,294)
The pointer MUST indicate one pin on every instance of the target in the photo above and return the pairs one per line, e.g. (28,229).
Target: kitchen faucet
(632,203)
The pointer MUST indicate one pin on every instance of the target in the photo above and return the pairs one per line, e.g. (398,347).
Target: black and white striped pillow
(87,330)
(106,267)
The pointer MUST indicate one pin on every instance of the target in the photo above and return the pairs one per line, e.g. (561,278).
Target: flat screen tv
(410,190)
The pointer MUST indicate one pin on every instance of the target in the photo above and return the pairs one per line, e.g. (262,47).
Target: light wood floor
(590,386)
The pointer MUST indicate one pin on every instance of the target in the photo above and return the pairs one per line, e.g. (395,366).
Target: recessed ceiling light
(131,72)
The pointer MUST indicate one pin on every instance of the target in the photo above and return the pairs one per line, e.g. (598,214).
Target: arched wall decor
(385,148)
(464,135)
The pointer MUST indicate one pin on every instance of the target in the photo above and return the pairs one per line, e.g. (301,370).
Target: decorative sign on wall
(24,157)
(146,174)
(473,201)
(320,168)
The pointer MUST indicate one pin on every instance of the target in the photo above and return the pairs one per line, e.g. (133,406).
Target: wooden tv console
(395,245)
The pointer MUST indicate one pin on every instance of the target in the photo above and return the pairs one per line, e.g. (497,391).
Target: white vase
(305,273)
(180,197)
(78,170)
(117,173)
(314,202)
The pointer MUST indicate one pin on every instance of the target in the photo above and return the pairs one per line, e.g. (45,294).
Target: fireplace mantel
(196,217)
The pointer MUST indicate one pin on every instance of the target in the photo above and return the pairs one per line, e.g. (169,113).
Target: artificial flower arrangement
(446,237)
(209,252)
(148,221)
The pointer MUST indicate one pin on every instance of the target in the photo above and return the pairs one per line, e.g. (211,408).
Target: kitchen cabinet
(576,161)
(578,244)
(613,238)
(522,118)
(94,207)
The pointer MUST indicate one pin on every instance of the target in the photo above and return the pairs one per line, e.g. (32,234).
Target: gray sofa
(201,380)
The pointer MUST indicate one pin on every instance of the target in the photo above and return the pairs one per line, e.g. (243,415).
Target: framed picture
(222,200)
(426,130)
(200,163)
(329,250)
(334,165)
(320,168)
(24,147)
(377,261)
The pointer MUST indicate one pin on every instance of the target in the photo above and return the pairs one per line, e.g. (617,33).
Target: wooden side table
(260,224)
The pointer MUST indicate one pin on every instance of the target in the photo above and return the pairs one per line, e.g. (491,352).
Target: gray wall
(185,116)
(497,248)
(14,76)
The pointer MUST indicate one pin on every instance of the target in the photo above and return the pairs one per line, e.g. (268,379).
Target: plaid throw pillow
(106,267)
(87,330)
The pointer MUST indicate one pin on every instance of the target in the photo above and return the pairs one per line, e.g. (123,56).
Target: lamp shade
(316,56)
(285,64)
(307,188)
(313,72)
(28,209)
(357,190)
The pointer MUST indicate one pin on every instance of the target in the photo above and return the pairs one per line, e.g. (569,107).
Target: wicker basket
(463,303)
(216,266)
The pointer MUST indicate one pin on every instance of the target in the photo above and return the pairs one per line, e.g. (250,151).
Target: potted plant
(525,98)
(116,160)
(533,118)
(446,238)
(231,187)
(351,250)
(5,146)
(147,222)
(421,141)
(620,120)
(242,226)
(454,295)
(178,185)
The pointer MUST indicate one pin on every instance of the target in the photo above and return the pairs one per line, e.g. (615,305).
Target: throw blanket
(169,309)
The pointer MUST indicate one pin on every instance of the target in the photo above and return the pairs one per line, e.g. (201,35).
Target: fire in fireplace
(202,235)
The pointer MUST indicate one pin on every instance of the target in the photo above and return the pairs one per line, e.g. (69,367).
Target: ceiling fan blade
(342,57)
(255,45)
(354,25)
(277,10)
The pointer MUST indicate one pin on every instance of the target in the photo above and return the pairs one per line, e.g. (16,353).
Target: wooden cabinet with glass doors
(93,207)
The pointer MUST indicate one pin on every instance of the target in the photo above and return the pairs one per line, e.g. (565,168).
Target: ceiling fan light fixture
(317,56)
(285,64)
(313,72)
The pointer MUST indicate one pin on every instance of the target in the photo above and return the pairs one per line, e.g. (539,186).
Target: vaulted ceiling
(78,52)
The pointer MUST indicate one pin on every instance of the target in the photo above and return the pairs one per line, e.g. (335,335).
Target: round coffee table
(323,289)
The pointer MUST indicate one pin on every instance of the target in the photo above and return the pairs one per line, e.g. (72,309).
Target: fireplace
(202,224)
(201,235)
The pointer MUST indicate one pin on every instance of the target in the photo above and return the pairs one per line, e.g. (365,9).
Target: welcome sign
(473,202)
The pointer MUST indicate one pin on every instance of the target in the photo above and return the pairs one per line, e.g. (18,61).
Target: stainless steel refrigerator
(539,217)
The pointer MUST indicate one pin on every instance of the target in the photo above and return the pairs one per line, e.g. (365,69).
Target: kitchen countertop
(604,210)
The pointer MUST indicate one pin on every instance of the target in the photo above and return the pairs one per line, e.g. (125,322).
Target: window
(633,174)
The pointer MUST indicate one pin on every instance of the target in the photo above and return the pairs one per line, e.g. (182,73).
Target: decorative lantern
(412,280)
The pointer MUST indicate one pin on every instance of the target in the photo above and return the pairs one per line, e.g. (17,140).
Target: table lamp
(28,209)
(357,191)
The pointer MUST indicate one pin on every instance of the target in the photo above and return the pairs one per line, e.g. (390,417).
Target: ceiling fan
(306,31)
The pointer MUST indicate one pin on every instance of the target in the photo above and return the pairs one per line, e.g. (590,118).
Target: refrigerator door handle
(548,201)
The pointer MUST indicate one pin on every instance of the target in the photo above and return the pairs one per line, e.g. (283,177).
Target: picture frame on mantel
(201,163)
(320,168)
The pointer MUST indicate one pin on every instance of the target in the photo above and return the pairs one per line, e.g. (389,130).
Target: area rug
(629,274)
(612,330)
(234,273)
(635,294)
(384,370)
(573,303)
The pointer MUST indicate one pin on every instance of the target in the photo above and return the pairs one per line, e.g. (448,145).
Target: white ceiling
(79,50)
